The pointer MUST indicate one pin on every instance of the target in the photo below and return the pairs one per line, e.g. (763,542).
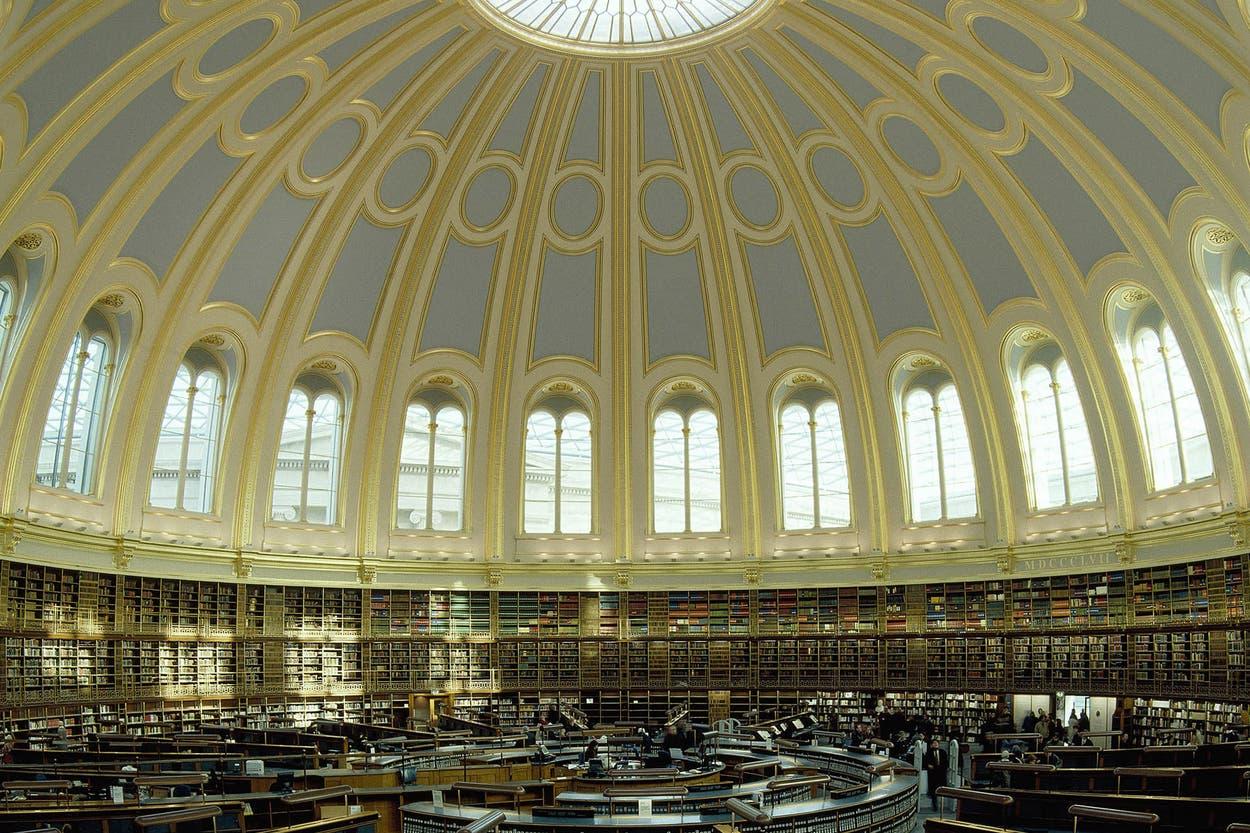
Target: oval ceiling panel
(912,145)
(754,196)
(331,148)
(837,176)
(1010,44)
(488,197)
(576,206)
(236,46)
(970,101)
(665,206)
(273,104)
(405,178)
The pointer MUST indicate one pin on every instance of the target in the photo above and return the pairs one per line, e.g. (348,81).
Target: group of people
(1053,730)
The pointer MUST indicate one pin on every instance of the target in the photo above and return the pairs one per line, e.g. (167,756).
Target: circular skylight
(618,24)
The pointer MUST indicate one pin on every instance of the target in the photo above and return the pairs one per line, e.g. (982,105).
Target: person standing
(937,765)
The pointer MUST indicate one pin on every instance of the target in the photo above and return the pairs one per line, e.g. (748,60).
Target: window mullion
(558,484)
(429,478)
(1176,417)
(685,467)
(1028,444)
(811,431)
(67,440)
(186,447)
(1063,443)
(941,456)
(303,481)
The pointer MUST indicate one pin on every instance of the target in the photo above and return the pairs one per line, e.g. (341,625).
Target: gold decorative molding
(560,387)
(242,566)
(880,570)
(493,577)
(803,379)
(1125,551)
(1220,236)
(1006,561)
(113,300)
(751,576)
(325,364)
(1238,529)
(213,340)
(623,579)
(442,380)
(683,387)
(366,573)
(123,553)
(1033,336)
(30,241)
(923,363)
(10,536)
(1135,295)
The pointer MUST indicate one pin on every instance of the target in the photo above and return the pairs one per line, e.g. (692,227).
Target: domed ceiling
(519,199)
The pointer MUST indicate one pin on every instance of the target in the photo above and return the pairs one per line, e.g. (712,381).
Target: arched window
(430,495)
(815,485)
(940,473)
(686,471)
(306,478)
(1240,295)
(184,472)
(71,433)
(1167,405)
(558,465)
(1057,446)
(8,320)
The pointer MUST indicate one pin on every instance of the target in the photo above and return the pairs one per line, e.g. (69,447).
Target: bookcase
(1175,633)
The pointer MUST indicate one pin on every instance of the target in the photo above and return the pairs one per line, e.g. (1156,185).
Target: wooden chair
(1145,773)
(748,811)
(961,794)
(513,790)
(485,824)
(173,818)
(644,791)
(1086,811)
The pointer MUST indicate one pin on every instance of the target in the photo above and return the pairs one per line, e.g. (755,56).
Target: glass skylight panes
(619,22)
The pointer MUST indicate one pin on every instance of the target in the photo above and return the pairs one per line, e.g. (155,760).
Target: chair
(1086,811)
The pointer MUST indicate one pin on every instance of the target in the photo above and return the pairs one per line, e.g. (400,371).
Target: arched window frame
(8,320)
(1151,320)
(314,393)
(686,406)
(559,408)
(1239,304)
(811,400)
(436,403)
(1059,401)
(96,399)
(198,375)
(936,385)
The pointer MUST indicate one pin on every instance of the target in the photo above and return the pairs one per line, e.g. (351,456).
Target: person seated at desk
(661,759)
(590,752)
